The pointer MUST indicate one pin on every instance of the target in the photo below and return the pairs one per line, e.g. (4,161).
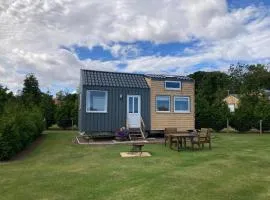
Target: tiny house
(111,100)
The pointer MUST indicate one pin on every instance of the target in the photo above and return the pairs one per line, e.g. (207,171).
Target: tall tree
(256,79)
(67,109)
(211,85)
(31,93)
(5,96)
(210,89)
(237,75)
(48,108)
(249,79)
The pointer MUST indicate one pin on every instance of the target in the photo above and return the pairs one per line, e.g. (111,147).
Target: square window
(96,101)
(163,103)
(181,104)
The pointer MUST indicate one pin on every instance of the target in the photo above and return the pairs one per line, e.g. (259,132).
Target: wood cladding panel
(182,121)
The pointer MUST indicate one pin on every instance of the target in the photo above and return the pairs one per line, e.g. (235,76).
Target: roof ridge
(113,72)
(140,74)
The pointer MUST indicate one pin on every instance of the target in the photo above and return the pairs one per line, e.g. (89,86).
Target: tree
(48,108)
(262,112)
(210,89)
(243,119)
(5,96)
(219,114)
(249,79)
(31,93)
(256,79)
(236,76)
(67,110)
(211,115)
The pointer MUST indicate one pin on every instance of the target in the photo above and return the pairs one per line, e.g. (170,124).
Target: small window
(231,107)
(181,104)
(163,103)
(96,101)
(172,85)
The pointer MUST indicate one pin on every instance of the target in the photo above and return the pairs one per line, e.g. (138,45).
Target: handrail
(127,124)
(142,127)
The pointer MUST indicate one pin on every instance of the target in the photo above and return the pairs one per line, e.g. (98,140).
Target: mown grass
(237,168)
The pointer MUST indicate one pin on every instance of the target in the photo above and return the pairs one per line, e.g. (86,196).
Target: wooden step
(136,130)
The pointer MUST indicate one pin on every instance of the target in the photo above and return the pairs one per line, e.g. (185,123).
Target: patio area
(111,141)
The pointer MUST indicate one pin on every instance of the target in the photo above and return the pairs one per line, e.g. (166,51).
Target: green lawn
(238,167)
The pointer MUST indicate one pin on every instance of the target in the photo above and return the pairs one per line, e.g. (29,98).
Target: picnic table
(181,137)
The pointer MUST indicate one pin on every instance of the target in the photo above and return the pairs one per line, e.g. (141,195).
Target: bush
(211,116)
(219,115)
(18,128)
(64,123)
(262,112)
(242,120)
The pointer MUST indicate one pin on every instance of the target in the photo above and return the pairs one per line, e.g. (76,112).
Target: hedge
(18,128)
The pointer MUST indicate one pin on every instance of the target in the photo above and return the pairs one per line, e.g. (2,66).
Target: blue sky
(55,40)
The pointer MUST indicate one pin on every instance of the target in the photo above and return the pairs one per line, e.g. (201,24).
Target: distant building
(232,101)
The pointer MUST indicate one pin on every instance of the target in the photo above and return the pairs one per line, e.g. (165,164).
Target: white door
(133,111)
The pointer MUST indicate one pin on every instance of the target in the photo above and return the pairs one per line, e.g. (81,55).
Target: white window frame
(88,92)
(182,111)
(180,85)
(160,111)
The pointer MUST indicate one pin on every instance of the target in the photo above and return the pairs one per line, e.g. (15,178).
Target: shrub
(219,115)
(18,128)
(262,112)
(242,120)
(8,139)
(64,123)
(211,116)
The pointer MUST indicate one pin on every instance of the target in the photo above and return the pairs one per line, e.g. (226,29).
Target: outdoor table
(181,136)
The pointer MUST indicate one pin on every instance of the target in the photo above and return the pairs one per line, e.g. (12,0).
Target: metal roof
(113,79)
(165,76)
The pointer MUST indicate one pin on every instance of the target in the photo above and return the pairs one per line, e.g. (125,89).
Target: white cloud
(123,51)
(31,33)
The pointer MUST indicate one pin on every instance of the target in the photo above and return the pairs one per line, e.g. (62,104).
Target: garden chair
(203,137)
(170,131)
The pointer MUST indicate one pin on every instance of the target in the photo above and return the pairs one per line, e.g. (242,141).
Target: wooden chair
(203,137)
(170,131)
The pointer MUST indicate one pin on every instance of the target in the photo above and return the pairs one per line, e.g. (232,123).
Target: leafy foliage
(262,112)
(246,80)
(210,89)
(5,96)
(67,110)
(48,108)
(31,94)
(19,126)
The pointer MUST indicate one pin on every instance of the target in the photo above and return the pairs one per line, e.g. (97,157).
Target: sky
(54,39)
